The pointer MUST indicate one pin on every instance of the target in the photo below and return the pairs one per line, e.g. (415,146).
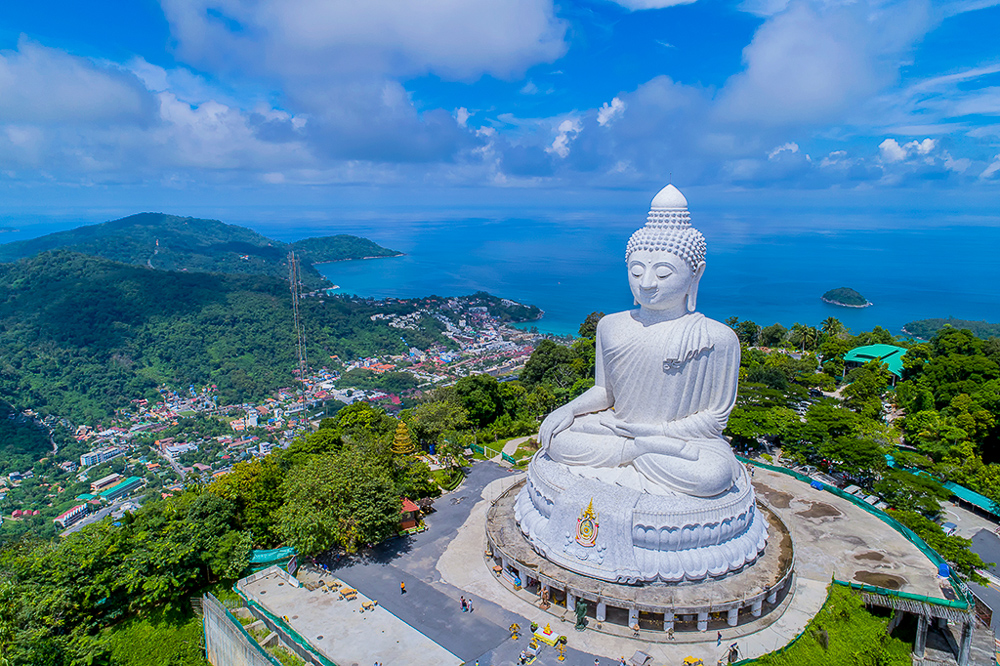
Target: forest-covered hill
(81,336)
(169,242)
(927,328)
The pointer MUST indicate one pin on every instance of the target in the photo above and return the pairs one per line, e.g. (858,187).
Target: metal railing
(295,636)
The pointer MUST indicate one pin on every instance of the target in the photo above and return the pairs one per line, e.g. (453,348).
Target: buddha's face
(659,280)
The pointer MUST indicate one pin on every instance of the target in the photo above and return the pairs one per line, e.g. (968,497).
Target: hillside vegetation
(928,328)
(82,336)
(339,248)
(169,242)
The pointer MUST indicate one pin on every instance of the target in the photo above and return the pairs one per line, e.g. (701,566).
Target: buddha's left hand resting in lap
(665,381)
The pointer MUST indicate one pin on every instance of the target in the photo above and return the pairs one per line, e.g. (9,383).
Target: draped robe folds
(679,375)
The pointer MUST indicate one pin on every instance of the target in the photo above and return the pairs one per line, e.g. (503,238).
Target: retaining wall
(227,642)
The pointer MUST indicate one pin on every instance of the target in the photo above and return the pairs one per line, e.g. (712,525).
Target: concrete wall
(226,644)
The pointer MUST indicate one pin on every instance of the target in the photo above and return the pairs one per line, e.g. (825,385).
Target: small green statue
(581,614)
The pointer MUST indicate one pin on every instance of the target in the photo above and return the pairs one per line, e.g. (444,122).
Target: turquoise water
(766,268)
(570,268)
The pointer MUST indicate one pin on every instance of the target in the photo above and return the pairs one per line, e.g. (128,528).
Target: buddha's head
(666,257)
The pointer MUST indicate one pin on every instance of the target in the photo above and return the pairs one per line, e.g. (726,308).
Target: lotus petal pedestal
(618,534)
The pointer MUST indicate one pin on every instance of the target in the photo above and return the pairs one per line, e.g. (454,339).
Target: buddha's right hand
(670,446)
(557,421)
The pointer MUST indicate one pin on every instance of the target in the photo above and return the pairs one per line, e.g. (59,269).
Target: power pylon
(300,336)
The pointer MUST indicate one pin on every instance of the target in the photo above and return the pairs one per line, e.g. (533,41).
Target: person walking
(464,605)
(402,587)
(469,603)
(718,639)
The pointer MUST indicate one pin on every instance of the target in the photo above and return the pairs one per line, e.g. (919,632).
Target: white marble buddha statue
(665,376)
(634,481)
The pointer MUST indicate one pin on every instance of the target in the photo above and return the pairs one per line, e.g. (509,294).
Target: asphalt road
(987,545)
(94,517)
(432,606)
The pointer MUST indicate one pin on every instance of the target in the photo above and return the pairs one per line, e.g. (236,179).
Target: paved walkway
(344,632)
(447,561)
(468,546)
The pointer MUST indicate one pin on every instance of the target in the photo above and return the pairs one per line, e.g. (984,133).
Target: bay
(570,268)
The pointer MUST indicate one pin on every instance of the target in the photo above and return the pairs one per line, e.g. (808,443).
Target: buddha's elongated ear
(692,295)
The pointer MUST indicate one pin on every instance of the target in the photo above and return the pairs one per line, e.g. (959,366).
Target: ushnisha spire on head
(668,228)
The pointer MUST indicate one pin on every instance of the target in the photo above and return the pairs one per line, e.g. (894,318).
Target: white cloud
(462,116)
(961,165)
(637,5)
(993,168)
(40,85)
(607,113)
(790,147)
(922,147)
(568,130)
(834,158)
(891,151)
(529,88)
(815,62)
(330,39)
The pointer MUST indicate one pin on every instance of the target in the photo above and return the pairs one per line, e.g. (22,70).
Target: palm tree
(806,336)
(810,336)
(832,326)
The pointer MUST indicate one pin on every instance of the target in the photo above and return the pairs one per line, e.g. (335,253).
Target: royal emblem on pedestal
(586,527)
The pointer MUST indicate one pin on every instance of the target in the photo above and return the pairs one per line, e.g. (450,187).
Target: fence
(227,643)
(291,638)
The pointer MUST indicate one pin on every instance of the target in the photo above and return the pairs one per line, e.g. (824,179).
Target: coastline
(867,304)
(912,335)
(337,261)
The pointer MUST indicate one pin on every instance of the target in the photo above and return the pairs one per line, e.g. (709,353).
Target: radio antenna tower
(300,337)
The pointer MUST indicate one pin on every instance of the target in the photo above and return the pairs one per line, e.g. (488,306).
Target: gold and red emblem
(586,527)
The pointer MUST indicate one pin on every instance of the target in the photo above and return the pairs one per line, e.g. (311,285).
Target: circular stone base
(740,597)
(638,536)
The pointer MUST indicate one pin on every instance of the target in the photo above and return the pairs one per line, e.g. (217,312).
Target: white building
(98,456)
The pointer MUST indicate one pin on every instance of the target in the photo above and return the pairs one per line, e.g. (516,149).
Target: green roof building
(123,488)
(891,355)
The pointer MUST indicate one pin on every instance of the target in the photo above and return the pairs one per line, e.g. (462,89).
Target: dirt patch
(885,580)
(819,510)
(776,498)
(870,556)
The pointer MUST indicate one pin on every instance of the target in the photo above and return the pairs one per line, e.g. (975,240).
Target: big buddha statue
(633,481)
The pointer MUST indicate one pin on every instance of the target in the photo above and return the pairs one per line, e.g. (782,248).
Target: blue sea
(764,267)
(571,267)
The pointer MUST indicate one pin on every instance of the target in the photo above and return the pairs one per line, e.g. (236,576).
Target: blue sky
(189,105)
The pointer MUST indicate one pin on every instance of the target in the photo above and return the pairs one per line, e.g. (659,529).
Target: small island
(845,297)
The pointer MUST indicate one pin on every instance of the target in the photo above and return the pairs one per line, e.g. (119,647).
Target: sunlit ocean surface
(571,269)
(762,268)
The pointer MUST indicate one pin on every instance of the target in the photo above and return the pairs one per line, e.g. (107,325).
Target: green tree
(832,326)
(429,421)
(254,489)
(546,357)
(588,329)
(344,499)
(773,335)
(480,396)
